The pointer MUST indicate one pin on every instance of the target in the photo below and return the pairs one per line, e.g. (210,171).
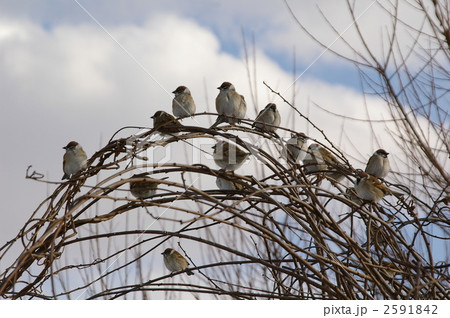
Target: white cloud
(331,23)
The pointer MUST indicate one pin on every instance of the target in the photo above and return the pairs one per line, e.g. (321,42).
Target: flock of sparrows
(230,105)
(315,158)
(231,108)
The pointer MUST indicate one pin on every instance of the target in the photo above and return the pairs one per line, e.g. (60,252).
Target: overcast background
(80,70)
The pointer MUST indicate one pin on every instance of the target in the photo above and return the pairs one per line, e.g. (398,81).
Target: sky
(80,70)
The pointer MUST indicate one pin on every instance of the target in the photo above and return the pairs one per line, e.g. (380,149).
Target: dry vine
(285,236)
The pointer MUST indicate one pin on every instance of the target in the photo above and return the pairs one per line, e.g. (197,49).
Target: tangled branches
(279,233)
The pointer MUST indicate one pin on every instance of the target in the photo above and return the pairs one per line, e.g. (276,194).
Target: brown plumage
(166,123)
(228,156)
(320,159)
(74,159)
(268,119)
(175,262)
(183,104)
(378,164)
(296,148)
(143,188)
(369,188)
(230,105)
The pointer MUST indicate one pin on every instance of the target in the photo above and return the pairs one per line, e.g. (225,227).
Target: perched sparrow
(74,159)
(296,148)
(143,188)
(320,159)
(183,104)
(378,235)
(228,156)
(378,165)
(390,269)
(224,184)
(175,262)
(368,188)
(268,119)
(166,123)
(351,194)
(229,103)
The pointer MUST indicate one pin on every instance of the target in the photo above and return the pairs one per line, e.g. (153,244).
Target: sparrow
(74,159)
(351,194)
(175,262)
(183,104)
(296,148)
(143,188)
(378,235)
(229,103)
(320,159)
(268,119)
(369,188)
(166,123)
(378,164)
(225,184)
(390,269)
(228,156)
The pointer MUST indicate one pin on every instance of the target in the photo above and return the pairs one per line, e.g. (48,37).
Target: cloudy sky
(80,70)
